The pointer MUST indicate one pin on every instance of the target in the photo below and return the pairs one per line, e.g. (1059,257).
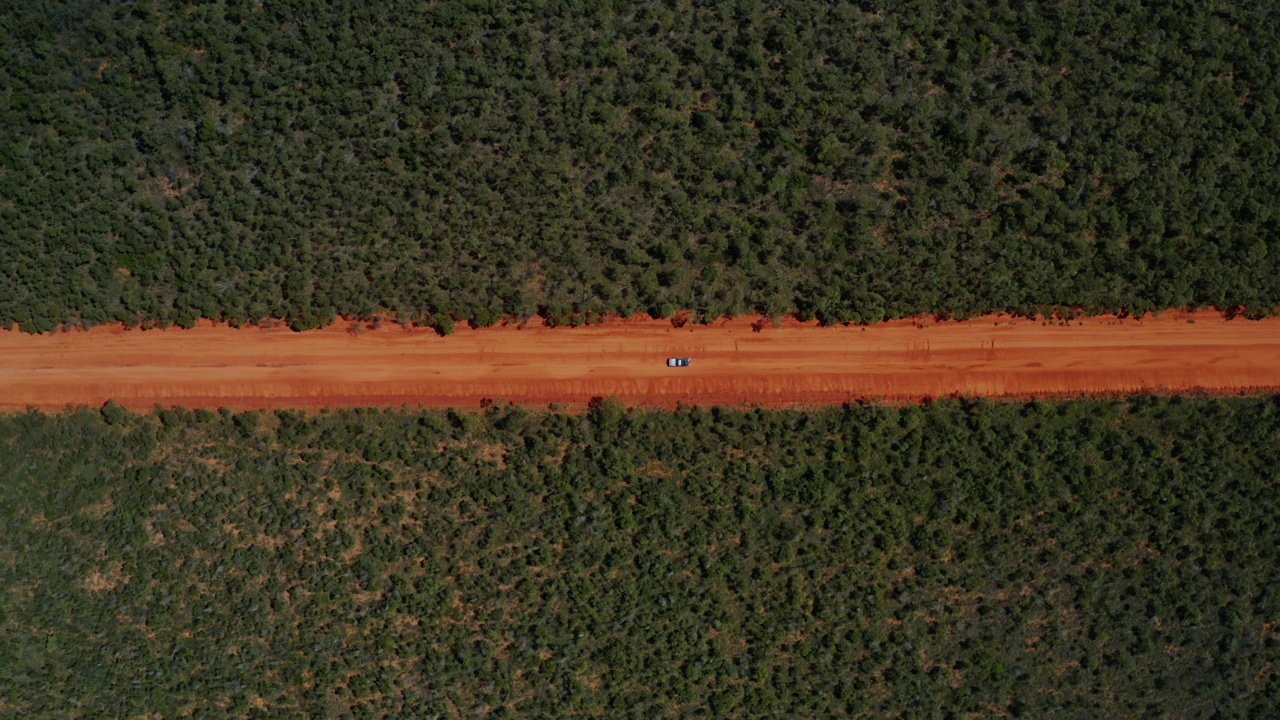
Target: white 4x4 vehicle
(678,362)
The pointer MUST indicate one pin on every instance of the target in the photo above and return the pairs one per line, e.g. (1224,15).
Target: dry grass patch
(495,453)
(655,468)
(105,580)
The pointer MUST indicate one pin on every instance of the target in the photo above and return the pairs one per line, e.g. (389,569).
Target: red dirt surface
(214,366)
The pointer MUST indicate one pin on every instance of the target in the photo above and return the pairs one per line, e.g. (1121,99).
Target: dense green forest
(1087,559)
(162,161)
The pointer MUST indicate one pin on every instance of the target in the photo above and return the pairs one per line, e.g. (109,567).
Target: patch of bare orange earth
(216,365)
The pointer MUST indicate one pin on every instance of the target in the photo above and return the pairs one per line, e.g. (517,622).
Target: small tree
(443,324)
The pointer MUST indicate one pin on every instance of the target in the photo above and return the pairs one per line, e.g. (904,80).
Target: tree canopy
(851,160)
(1096,558)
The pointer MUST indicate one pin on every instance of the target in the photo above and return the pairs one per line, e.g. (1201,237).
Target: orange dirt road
(215,365)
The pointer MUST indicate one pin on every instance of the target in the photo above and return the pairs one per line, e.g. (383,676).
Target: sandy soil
(214,366)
